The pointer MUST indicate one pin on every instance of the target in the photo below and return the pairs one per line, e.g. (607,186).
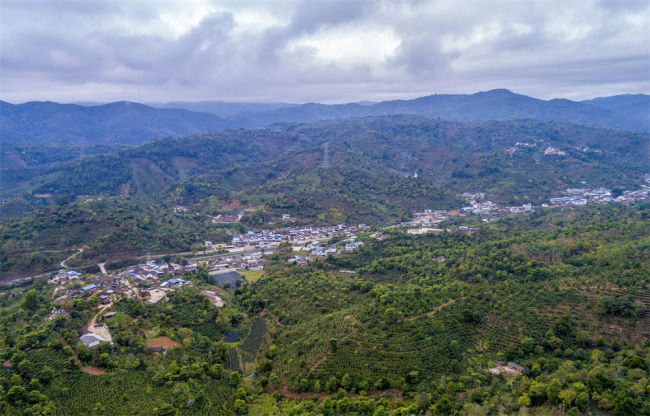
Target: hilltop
(128,123)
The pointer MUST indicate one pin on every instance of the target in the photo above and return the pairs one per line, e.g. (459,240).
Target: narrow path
(436,309)
(135,290)
(81,250)
(274,316)
(94,371)
(393,393)
(103,332)
(319,362)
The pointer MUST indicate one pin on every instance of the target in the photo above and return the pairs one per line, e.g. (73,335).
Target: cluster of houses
(227,219)
(579,196)
(479,207)
(259,239)
(510,368)
(104,288)
(156,279)
(150,272)
(554,151)
(548,151)
(512,149)
(268,238)
(301,235)
(250,261)
(457,229)
(318,249)
(587,149)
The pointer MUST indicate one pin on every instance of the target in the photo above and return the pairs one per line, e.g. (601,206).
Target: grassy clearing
(254,276)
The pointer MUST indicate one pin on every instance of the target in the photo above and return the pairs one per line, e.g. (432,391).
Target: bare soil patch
(93,371)
(164,342)
(156,296)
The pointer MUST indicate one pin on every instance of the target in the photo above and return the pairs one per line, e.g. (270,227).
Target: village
(151,282)
(486,209)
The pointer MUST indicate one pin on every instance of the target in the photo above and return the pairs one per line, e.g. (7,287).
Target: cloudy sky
(327,51)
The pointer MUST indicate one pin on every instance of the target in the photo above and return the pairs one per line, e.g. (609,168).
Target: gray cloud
(319,50)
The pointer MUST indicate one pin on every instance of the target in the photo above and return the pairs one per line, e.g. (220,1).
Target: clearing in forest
(162,342)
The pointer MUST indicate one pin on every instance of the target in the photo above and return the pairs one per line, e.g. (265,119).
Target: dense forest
(405,325)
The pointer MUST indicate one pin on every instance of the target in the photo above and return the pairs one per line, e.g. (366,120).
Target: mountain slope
(635,106)
(127,123)
(490,105)
(465,154)
(222,108)
(120,122)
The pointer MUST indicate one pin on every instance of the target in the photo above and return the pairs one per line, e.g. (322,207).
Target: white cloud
(319,50)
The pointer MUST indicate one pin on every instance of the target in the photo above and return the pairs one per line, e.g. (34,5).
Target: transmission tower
(326,155)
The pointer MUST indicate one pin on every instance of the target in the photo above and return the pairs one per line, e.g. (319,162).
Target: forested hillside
(123,123)
(372,170)
(405,326)
(456,156)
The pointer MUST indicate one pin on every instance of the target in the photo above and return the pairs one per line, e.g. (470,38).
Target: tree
(564,327)
(16,380)
(624,405)
(47,374)
(527,344)
(234,378)
(328,406)
(16,394)
(99,410)
(582,338)
(582,400)
(343,405)
(524,400)
(443,406)
(567,396)
(333,344)
(332,384)
(537,393)
(553,389)
(30,301)
(24,367)
(165,410)
(345,381)
(240,407)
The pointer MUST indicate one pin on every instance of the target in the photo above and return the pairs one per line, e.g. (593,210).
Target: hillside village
(486,209)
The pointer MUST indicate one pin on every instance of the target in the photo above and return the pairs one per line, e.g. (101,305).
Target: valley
(381,265)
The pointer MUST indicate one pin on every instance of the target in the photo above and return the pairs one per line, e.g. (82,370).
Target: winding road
(81,250)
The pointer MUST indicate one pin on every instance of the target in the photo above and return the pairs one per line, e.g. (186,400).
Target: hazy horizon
(145,102)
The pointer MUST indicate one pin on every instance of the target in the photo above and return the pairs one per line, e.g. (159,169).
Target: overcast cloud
(327,51)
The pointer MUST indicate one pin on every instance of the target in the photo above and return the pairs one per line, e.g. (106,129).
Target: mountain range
(128,123)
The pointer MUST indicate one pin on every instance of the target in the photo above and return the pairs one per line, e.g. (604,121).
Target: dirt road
(81,250)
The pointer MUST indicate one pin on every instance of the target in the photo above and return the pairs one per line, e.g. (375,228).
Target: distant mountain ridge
(223,108)
(630,105)
(500,104)
(122,122)
(129,123)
